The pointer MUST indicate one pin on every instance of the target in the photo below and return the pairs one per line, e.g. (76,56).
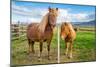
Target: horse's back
(32,25)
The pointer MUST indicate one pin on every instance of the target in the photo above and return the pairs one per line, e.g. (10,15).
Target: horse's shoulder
(32,24)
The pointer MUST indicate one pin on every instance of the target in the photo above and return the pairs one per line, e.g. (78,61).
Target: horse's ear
(49,9)
(57,9)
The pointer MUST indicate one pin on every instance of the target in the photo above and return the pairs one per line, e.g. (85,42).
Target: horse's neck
(48,28)
(46,22)
(43,23)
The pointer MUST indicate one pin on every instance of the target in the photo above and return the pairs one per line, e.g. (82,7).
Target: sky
(34,11)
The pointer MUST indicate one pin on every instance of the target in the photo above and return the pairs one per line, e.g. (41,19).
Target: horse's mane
(40,26)
(70,27)
(43,23)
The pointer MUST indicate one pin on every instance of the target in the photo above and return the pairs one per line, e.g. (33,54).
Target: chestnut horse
(68,34)
(43,31)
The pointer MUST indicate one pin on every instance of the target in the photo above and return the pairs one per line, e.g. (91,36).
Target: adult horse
(68,34)
(43,31)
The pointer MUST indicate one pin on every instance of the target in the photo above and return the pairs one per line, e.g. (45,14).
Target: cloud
(66,16)
(63,15)
(34,20)
(33,14)
(22,13)
(28,12)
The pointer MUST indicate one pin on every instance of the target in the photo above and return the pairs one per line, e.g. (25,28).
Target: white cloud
(80,16)
(63,16)
(66,16)
(34,20)
(27,14)
(84,17)
(36,14)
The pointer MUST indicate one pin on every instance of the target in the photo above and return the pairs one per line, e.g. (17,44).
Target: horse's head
(64,30)
(53,13)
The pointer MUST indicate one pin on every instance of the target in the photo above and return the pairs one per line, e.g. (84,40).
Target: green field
(84,50)
(20,56)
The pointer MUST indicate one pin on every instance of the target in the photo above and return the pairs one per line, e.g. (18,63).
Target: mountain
(90,23)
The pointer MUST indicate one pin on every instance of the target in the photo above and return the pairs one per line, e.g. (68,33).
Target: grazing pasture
(84,49)
(20,56)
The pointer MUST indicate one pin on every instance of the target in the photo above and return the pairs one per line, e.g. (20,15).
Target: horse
(43,31)
(68,34)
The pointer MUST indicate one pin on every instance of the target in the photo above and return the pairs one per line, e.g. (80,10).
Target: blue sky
(34,11)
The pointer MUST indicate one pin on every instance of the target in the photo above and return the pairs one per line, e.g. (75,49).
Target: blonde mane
(70,27)
(43,23)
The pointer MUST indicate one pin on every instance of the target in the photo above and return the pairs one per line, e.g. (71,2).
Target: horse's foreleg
(30,44)
(41,44)
(48,48)
(71,49)
(48,51)
(67,47)
(32,47)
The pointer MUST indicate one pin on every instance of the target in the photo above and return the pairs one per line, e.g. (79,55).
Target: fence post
(18,30)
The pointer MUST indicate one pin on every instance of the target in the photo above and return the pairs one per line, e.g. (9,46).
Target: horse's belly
(33,34)
(37,36)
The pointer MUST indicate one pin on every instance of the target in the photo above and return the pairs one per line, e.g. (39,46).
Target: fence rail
(18,31)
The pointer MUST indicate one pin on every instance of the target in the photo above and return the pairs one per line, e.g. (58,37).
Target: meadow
(84,49)
(20,55)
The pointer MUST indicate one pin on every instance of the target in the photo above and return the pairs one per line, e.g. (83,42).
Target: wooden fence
(17,31)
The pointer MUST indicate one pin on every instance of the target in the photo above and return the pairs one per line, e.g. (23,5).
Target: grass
(84,50)
(84,47)
(20,56)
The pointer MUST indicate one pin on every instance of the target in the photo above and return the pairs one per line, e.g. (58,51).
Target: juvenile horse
(68,34)
(43,31)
